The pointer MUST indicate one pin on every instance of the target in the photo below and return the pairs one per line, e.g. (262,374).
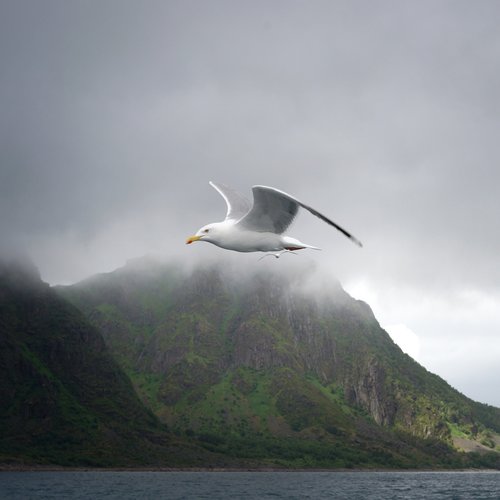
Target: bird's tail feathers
(292,243)
(311,247)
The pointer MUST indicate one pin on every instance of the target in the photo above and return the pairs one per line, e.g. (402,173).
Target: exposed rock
(242,354)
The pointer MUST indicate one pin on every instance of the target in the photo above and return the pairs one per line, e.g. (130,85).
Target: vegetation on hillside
(63,398)
(254,367)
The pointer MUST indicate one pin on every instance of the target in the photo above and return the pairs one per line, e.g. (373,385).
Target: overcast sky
(384,115)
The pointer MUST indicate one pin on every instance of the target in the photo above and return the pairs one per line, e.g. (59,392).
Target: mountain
(266,365)
(63,398)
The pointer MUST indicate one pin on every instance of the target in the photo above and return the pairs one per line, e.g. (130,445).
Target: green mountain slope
(63,398)
(257,367)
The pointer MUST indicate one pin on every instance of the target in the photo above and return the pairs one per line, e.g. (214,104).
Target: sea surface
(250,485)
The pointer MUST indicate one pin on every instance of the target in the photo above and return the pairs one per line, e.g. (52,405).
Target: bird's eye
(205,230)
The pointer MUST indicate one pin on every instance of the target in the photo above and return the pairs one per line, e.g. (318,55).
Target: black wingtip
(357,242)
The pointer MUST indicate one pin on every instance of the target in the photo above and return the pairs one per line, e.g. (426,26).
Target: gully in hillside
(258,228)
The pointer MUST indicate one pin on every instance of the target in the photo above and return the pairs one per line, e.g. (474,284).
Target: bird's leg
(268,255)
(277,255)
(285,251)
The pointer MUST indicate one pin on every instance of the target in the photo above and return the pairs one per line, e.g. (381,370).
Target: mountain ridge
(217,352)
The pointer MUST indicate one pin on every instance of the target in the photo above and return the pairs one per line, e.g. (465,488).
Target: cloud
(405,338)
(383,115)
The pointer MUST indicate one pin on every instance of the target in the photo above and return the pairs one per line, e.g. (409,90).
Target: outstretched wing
(273,211)
(237,205)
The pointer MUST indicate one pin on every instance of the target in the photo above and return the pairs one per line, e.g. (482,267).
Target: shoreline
(61,468)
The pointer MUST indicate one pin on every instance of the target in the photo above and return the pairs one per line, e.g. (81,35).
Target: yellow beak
(191,239)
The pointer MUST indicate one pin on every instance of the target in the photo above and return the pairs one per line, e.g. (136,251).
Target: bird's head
(208,233)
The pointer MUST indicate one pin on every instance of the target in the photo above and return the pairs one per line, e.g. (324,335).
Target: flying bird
(258,227)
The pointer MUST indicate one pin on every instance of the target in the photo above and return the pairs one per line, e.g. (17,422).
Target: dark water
(250,485)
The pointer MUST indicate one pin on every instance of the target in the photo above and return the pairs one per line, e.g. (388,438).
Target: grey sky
(383,115)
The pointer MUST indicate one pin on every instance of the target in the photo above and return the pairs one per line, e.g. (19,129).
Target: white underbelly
(252,241)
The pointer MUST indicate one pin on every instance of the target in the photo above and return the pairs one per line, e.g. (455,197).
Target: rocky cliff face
(218,353)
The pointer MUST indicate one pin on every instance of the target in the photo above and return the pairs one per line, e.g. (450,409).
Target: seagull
(259,227)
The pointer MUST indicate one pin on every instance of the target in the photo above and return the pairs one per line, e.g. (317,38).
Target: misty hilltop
(267,365)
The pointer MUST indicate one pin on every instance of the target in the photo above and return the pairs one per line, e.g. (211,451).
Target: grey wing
(237,204)
(273,210)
